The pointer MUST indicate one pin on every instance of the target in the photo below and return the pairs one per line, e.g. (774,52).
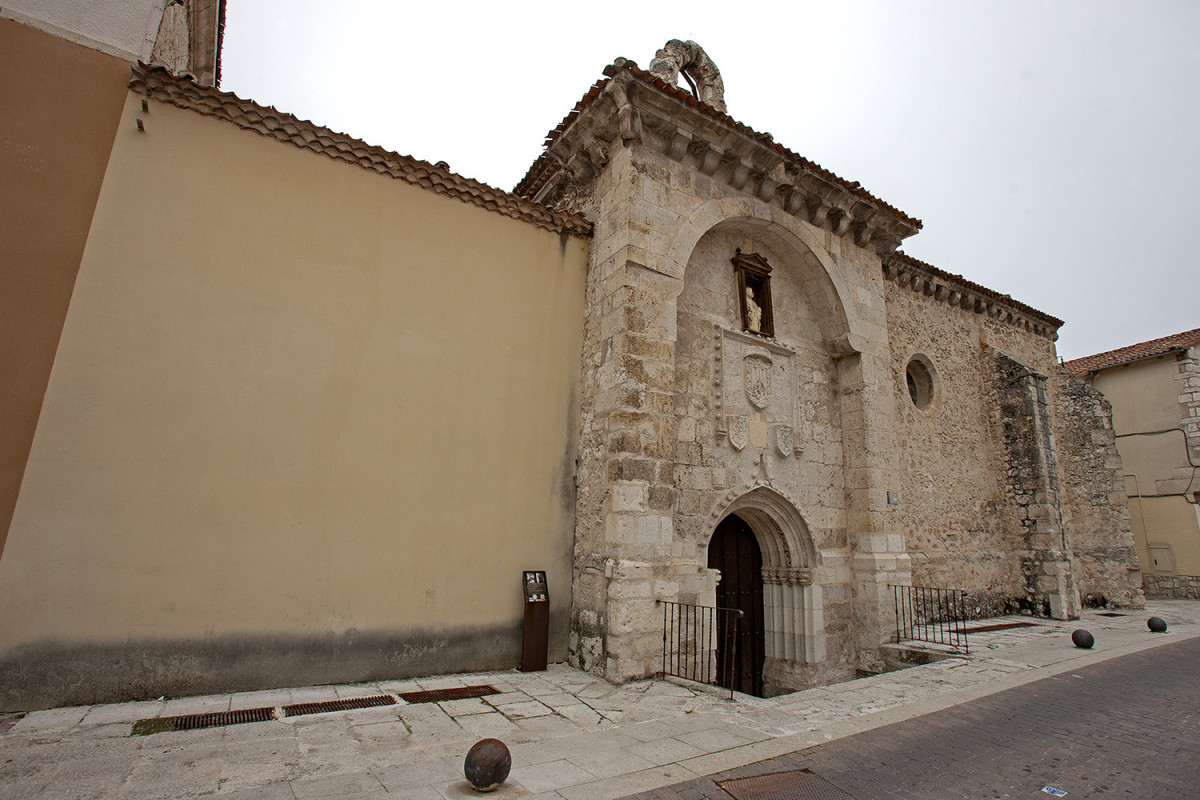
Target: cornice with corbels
(907,273)
(628,112)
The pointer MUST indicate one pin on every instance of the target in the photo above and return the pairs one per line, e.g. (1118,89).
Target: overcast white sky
(1049,147)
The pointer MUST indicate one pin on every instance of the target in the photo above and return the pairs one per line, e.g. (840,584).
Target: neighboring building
(1154,389)
(289,408)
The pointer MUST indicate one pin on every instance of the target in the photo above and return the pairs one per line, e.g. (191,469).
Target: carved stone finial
(698,70)
(172,46)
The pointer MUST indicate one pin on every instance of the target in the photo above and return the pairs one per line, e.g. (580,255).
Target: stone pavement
(1128,727)
(571,736)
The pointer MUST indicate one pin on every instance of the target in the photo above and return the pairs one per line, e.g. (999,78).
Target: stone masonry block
(689,453)
(690,502)
(648,529)
(628,589)
(1040,541)
(625,441)
(661,498)
(620,528)
(631,469)
(872,543)
(629,496)
(663,589)
(694,478)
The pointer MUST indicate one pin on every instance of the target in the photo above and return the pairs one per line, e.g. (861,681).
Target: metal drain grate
(1003,626)
(799,784)
(456,693)
(297,709)
(191,722)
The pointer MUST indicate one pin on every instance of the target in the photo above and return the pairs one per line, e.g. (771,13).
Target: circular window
(922,384)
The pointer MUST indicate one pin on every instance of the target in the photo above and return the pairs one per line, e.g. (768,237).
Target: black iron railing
(938,616)
(700,643)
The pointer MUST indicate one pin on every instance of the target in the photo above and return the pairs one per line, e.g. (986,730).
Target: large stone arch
(792,602)
(831,293)
(779,527)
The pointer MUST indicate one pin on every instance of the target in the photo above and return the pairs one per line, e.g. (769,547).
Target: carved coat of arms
(783,440)
(757,380)
(739,432)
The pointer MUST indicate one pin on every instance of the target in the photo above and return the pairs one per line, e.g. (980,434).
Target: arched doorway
(735,552)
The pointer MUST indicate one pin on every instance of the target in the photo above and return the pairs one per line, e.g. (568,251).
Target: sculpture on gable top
(698,70)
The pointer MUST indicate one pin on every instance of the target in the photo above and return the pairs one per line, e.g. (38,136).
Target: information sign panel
(536,637)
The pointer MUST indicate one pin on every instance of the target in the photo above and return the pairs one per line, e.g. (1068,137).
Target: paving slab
(572,736)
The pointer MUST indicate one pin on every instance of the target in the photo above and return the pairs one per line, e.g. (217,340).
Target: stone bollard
(1157,625)
(1082,638)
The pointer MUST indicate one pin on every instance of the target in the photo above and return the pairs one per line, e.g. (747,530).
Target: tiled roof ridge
(1134,352)
(159,84)
(525,186)
(970,295)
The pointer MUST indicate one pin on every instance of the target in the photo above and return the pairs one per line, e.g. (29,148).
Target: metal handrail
(926,614)
(700,643)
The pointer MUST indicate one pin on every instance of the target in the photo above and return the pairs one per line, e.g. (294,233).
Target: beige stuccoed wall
(1145,397)
(60,104)
(1170,521)
(306,423)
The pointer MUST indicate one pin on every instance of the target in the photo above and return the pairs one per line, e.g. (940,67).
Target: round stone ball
(1157,624)
(1082,638)
(487,765)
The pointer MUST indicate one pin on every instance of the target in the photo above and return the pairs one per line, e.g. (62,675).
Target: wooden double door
(735,552)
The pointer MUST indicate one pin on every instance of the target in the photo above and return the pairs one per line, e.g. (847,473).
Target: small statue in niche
(753,312)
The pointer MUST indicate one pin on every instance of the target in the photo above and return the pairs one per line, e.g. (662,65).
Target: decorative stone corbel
(862,233)
(766,188)
(739,173)
(845,345)
(818,212)
(678,147)
(711,159)
(840,219)
(791,198)
(886,245)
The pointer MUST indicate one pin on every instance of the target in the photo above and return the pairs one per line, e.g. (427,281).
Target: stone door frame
(793,613)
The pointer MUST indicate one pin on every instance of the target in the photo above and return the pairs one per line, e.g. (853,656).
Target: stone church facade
(687,365)
(756,350)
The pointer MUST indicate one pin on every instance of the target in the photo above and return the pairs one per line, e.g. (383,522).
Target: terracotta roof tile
(1134,352)
(159,84)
